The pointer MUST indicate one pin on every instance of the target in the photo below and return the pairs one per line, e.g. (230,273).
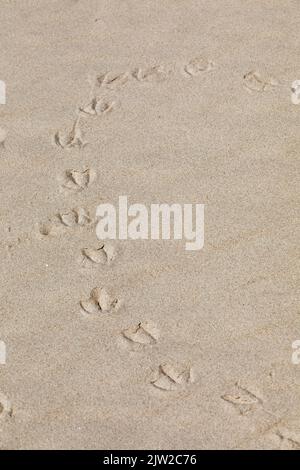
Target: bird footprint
(253,81)
(199,65)
(173,378)
(100,301)
(155,73)
(76,180)
(99,107)
(75,217)
(74,138)
(105,254)
(242,399)
(112,80)
(143,333)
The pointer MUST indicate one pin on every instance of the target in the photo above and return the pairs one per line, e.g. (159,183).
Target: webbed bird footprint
(198,65)
(253,81)
(100,301)
(5,406)
(105,254)
(242,399)
(173,378)
(112,80)
(143,333)
(74,138)
(156,73)
(99,107)
(76,180)
(75,217)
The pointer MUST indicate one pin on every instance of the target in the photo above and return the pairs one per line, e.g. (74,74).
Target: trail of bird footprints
(111,81)
(168,377)
(100,301)
(253,81)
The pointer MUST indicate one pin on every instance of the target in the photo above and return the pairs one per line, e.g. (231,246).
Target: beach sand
(182,101)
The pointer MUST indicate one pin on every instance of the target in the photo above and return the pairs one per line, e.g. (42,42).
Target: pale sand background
(231,309)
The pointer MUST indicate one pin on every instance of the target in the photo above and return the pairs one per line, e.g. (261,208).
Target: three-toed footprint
(144,333)
(113,80)
(75,217)
(56,225)
(78,180)
(73,138)
(100,301)
(99,106)
(104,254)
(171,377)
(242,399)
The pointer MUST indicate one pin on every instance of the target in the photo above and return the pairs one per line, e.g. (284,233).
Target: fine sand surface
(195,108)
